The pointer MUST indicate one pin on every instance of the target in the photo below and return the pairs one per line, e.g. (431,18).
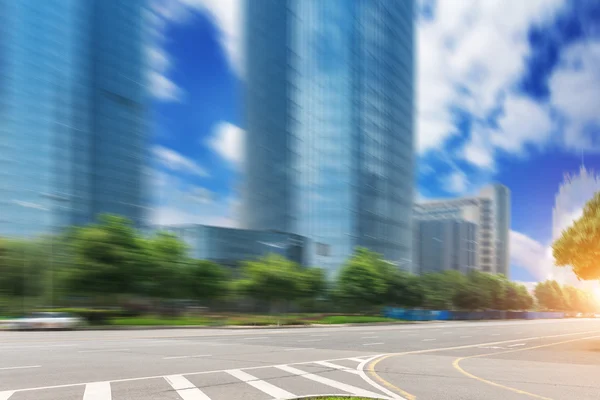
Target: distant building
(483,221)
(330,124)
(230,246)
(442,245)
(73,113)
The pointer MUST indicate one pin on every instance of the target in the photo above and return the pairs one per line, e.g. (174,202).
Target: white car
(47,320)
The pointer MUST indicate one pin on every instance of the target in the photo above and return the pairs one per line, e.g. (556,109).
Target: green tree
(361,282)
(272,279)
(166,270)
(549,295)
(493,285)
(110,259)
(404,289)
(440,288)
(579,245)
(525,300)
(471,297)
(207,280)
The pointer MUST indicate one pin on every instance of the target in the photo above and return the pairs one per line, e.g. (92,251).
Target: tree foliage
(579,245)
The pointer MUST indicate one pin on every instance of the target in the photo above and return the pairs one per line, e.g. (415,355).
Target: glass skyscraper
(330,124)
(72,112)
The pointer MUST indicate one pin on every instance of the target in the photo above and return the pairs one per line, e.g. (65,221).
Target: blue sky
(507,92)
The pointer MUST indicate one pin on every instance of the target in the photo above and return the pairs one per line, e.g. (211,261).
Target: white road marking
(21,367)
(517,344)
(428,340)
(366,378)
(263,386)
(178,357)
(6,395)
(495,334)
(101,350)
(310,340)
(298,348)
(424,351)
(462,337)
(358,360)
(336,366)
(373,344)
(370,337)
(447,333)
(185,389)
(329,382)
(256,338)
(97,391)
(319,335)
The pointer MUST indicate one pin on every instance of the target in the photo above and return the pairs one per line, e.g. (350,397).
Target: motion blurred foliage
(579,245)
(110,269)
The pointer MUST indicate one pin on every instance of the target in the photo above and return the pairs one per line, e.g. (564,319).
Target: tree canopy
(579,245)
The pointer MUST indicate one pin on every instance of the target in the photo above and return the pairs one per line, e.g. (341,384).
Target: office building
(330,125)
(488,214)
(230,247)
(445,244)
(73,137)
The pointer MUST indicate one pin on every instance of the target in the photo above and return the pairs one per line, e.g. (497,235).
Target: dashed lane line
(20,367)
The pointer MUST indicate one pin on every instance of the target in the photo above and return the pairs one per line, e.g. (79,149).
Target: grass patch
(159,321)
(246,320)
(352,319)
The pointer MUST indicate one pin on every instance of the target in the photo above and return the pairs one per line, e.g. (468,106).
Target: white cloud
(530,254)
(574,88)
(188,204)
(524,122)
(227,15)
(177,162)
(228,141)
(157,58)
(478,150)
(456,182)
(468,56)
(163,88)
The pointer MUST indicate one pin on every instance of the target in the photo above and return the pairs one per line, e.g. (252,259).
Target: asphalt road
(553,359)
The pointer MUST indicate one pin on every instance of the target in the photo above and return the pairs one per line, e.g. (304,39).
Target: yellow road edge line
(456,366)
(409,396)
(371,371)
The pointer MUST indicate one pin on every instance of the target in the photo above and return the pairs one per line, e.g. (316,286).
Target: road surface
(552,359)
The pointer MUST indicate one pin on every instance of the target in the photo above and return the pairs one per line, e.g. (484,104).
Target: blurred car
(47,320)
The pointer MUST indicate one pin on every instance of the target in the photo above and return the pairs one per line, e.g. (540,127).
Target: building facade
(231,247)
(73,139)
(489,213)
(330,124)
(442,245)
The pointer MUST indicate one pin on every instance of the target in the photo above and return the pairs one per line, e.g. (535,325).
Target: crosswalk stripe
(261,385)
(6,394)
(336,366)
(329,382)
(185,389)
(97,391)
